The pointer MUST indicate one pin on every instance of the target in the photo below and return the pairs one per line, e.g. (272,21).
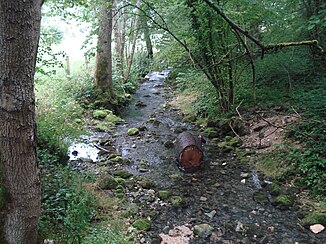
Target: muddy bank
(224,202)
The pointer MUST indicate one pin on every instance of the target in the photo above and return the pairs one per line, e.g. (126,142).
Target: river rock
(203,230)
(133,132)
(317,228)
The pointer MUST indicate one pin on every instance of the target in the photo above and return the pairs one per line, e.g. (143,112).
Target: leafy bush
(67,207)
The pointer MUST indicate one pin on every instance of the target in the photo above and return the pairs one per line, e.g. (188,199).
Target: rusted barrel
(189,152)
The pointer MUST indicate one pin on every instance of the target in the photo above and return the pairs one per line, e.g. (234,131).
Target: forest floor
(227,201)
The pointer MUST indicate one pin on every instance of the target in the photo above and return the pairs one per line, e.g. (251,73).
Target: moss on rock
(122,173)
(211,132)
(284,201)
(177,201)
(133,132)
(142,224)
(314,218)
(164,195)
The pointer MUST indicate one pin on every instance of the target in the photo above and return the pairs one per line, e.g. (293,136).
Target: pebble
(203,199)
(244,175)
(317,228)
(243,181)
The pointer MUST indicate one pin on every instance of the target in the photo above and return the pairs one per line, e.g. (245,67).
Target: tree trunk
(189,152)
(103,72)
(134,41)
(119,37)
(20,195)
(147,37)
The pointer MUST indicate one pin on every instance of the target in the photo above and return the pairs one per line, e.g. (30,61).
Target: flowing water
(220,194)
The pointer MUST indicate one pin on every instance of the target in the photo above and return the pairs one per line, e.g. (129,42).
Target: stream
(218,197)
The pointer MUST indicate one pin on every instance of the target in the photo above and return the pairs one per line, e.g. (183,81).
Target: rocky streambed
(226,201)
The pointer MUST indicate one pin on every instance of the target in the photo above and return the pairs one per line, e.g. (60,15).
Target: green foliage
(67,207)
(103,234)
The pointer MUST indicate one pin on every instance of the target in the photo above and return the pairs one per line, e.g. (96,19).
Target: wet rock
(283,201)
(211,132)
(146,183)
(177,201)
(203,230)
(314,218)
(140,104)
(178,235)
(180,129)
(189,118)
(142,224)
(122,173)
(244,175)
(260,197)
(133,131)
(154,121)
(317,228)
(169,144)
(211,214)
(164,195)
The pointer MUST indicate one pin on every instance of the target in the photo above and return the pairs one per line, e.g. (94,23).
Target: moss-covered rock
(154,121)
(133,132)
(284,201)
(274,189)
(104,126)
(101,113)
(211,132)
(107,182)
(189,118)
(142,224)
(116,159)
(314,218)
(177,201)
(78,121)
(113,119)
(146,183)
(122,173)
(260,197)
(164,195)
(203,230)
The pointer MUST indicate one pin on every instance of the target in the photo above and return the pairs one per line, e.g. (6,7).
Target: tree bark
(19,179)
(134,41)
(103,72)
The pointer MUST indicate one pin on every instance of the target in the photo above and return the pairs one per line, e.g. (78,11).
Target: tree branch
(264,48)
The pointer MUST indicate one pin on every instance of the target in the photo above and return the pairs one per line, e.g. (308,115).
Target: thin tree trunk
(103,72)
(134,41)
(20,195)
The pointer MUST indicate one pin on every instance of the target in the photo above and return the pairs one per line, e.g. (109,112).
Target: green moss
(113,119)
(116,159)
(142,224)
(164,194)
(284,201)
(260,197)
(211,132)
(122,173)
(104,126)
(133,131)
(189,118)
(101,114)
(107,182)
(314,218)
(176,201)
(146,183)
(274,189)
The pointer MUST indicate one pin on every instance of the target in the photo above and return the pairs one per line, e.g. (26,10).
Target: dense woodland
(229,61)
